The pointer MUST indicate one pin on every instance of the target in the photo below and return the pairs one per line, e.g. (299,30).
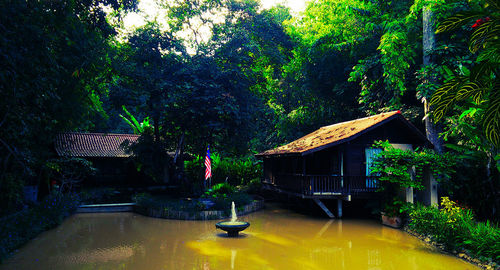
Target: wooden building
(106,153)
(333,162)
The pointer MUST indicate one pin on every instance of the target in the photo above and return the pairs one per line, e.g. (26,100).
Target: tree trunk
(432,129)
(156,127)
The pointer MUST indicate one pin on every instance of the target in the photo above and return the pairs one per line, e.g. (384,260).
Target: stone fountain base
(232,227)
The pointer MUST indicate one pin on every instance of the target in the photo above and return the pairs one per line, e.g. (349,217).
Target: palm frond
(129,123)
(492,116)
(470,89)
(484,33)
(444,97)
(457,21)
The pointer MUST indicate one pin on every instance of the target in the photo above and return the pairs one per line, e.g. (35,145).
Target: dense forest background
(244,79)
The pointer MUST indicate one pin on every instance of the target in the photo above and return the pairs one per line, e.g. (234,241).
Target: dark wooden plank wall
(327,161)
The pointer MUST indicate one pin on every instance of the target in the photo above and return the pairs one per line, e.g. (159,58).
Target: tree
(54,58)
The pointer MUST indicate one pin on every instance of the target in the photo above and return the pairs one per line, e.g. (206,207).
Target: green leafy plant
(220,190)
(456,229)
(397,208)
(236,171)
(396,166)
(139,128)
(69,171)
(481,83)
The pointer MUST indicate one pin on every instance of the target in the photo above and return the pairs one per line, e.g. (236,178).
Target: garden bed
(197,215)
(464,255)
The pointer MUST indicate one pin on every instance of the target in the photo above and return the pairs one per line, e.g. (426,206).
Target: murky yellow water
(276,239)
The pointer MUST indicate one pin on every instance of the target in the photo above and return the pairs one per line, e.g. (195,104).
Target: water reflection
(277,239)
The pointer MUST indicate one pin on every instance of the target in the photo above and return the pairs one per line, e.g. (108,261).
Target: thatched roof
(92,144)
(328,136)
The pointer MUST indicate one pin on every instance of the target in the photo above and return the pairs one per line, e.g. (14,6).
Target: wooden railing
(324,184)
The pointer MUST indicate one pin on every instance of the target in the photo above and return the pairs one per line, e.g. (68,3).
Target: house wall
(350,154)
(113,172)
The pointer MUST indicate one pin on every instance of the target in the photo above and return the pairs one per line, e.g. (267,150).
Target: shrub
(69,171)
(397,208)
(218,190)
(224,203)
(484,241)
(220,202)
(164,202)
(455,228)
(237,171)
(18,228)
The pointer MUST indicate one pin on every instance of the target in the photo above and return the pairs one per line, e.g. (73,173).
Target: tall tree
(432,129)
(54,58)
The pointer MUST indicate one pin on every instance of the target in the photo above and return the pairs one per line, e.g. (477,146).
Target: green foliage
(456,229)
(397,208)
(151,157)
(224,203)
(219,190)
(480,84)
(396,166)
(237,171)
(477,179)
(134,124)
(164,202)
(69,171)
(18,228)
(55,66)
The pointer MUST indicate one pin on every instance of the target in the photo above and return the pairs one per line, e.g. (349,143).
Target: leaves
(492,116)
(457,20)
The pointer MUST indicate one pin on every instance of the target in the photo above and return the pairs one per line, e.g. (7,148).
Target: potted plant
(394,213)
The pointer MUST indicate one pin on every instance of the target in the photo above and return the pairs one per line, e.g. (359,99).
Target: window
(370,154)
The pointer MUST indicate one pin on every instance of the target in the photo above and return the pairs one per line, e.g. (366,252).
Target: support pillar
(430,196)
(339,208)
(324,208)
(409,195)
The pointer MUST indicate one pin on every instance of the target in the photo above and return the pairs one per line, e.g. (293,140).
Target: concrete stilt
(323,206)
(339,208)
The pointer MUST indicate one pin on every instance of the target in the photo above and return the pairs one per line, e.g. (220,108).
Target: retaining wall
(168,213)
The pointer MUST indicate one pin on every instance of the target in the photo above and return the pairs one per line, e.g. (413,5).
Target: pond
(276,239)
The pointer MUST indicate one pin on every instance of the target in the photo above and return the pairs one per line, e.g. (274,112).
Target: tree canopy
(244,79)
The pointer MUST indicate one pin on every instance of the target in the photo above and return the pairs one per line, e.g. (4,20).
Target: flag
(208,165)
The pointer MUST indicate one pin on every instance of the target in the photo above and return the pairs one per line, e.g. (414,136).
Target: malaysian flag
(208,165)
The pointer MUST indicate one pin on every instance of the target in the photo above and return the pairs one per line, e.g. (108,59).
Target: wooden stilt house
(106,153)
(334,161)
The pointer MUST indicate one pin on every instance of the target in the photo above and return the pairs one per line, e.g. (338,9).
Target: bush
(240,199)
(164,202)
(253,187)
(237,171)
(221,202)
(219,190)
(455,228)
(397,208)
(18,228)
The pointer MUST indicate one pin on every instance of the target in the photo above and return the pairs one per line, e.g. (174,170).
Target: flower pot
(394,222)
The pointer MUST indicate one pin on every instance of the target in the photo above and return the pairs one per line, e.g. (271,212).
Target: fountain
(232,227)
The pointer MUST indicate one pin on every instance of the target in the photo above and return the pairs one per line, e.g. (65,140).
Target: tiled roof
(334,134)
(92,144)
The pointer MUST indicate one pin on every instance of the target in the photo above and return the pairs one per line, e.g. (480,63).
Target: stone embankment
(169,213)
